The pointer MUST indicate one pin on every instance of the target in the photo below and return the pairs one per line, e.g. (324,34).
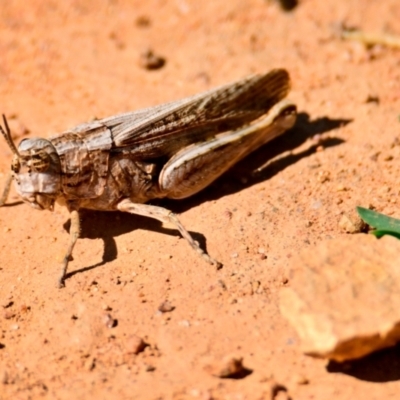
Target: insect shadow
(13,204)
(108,225)
(244,174)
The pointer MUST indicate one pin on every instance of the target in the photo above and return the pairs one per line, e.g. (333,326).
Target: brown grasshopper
(173,150)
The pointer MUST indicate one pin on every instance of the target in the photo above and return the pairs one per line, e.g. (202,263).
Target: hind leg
(165,216)
(195,167)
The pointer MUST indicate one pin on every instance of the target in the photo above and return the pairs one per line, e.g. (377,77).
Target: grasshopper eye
(39,162)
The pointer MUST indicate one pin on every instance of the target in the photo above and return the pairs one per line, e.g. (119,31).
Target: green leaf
(383,224)
(379,233)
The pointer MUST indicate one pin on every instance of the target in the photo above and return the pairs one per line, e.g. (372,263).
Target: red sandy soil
(63,63)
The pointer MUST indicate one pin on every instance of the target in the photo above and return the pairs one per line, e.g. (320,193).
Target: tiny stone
(228,367)
(9,314)
(341,188)
(7,303)
(388,157)
(351,222)
(89,364)
(143,21)
(165,307)
(151,61)
(228,214)
(371,98)
(135,345)
(374,156)
(323,176)
(149,368)
(24,309)
(317,138)
(222,284)
(277,391)
(109,321)
(301,380)
(4,377)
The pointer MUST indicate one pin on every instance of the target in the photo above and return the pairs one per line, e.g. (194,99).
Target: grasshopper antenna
(7,136)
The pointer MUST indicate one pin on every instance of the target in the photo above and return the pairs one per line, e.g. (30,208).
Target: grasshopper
(173,150)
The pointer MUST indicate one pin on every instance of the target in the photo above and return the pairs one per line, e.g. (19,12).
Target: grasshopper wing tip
(276,85)
(280,76)
(282,72)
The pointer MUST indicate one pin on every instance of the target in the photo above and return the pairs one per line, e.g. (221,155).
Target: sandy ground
(63,63)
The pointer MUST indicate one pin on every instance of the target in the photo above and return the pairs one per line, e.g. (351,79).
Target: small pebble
(388,157)
(8,314)
(4,377)
(165,307)
(151,61)
(228,367)
(143,21)
(109,321)
(135,345)
(89,364)
(351,222)
(301,380)
(323,176)
(149,368)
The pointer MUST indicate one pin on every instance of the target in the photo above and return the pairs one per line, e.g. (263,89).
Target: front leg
(164,215)
(6,190)
(74,232)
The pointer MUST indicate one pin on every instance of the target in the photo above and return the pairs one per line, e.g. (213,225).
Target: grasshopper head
(36,170)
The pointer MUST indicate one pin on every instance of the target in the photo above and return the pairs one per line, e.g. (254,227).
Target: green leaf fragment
(379,233)
(383,224)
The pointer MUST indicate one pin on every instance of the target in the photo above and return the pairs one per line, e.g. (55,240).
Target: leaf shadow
(107,226)
(381,366)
